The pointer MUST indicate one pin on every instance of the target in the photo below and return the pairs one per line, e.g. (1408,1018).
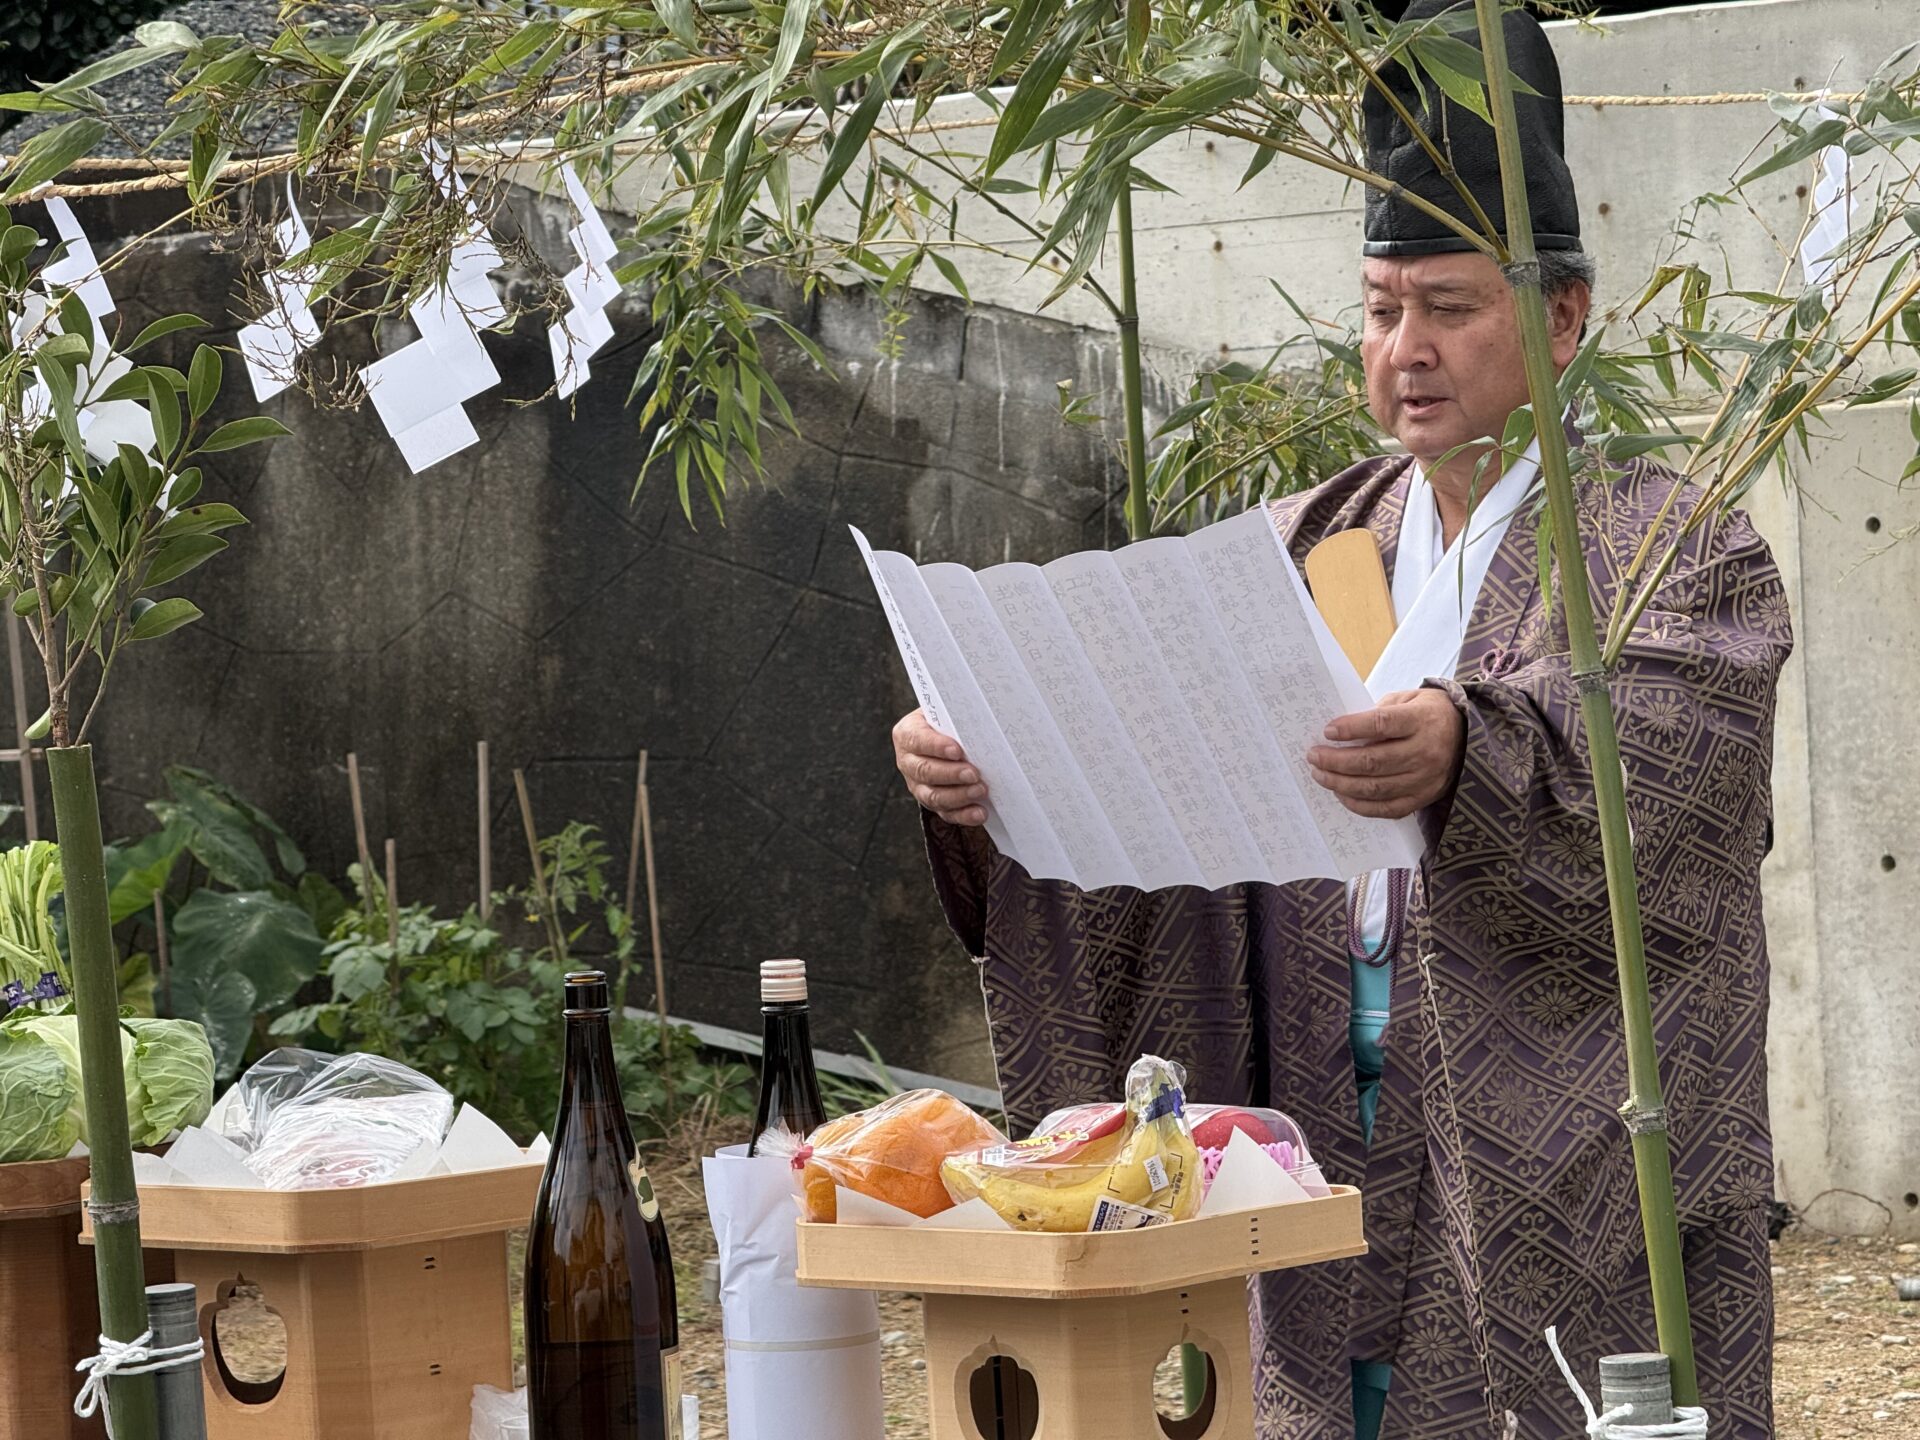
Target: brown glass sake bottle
(603,1332)
(789,1084)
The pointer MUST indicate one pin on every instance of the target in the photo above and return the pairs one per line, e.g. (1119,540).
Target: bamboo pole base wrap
(49,1302)
(1032,1337)
(393,1298)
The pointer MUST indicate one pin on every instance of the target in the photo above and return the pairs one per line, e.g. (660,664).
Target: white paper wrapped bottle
(802,1364)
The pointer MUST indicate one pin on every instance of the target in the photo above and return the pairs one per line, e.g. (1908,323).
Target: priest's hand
(1403,754)
(937,773)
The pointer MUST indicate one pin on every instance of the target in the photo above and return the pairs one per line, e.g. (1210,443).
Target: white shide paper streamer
(591,287)
(420,390)
(271,344)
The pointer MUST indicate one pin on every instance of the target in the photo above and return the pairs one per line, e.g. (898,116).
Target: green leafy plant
(250,926)
(458,1001)
(29,941)
(166,1065)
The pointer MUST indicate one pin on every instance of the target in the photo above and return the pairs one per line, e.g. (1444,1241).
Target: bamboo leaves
(854,133)
(52,151)
(1040,79)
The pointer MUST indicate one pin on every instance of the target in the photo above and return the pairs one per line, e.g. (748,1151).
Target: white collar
(1433,602)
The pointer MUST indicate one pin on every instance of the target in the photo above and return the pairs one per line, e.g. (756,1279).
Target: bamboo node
(1651,1120)
(113,1212)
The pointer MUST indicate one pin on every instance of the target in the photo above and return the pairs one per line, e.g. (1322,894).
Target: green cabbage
(39,1098)
(166,1068)
(173,1069)
(62,1034)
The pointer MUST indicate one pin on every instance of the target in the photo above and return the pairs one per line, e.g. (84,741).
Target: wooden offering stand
(1058,1336)
(394,1299)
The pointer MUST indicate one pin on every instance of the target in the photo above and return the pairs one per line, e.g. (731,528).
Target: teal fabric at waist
(1372,999)
(1372,996)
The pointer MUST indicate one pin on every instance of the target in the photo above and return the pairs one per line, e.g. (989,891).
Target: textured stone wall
(516,593)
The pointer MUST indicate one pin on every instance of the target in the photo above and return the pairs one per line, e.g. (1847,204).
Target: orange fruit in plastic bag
(892,1152)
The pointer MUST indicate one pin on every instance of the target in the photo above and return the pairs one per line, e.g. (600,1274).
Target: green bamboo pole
(96,982)
(1139,522)
(1645,1111)
(1193,1361)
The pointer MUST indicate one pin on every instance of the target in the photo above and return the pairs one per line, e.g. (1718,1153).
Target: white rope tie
(129,1357)
(1689,1423)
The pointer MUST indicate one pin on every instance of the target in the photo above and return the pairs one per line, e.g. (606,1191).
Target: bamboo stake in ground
(556,938)
(1645,1111)
(115,1202)
(486,839)
(163,976)
(633,839)
(360,831)
(393,900)
(653,906)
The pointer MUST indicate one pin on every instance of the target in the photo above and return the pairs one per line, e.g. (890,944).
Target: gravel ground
(138,100)
(1846,1350)
(1846,1358)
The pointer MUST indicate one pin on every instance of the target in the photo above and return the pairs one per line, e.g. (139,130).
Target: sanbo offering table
(1056,1337)
(394,1299)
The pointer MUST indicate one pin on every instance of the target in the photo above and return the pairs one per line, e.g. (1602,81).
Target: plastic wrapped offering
(1213,1128)
(309,1121)
(891,1152)
(1119,1171)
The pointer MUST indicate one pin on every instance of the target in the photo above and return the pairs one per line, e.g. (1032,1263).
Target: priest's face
(1441,346)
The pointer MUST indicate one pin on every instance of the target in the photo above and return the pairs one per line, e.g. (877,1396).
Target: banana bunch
(1141,1170)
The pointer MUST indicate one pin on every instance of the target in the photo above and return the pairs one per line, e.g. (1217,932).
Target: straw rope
(172,174)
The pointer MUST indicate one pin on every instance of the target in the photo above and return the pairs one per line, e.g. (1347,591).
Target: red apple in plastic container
(1213,1126)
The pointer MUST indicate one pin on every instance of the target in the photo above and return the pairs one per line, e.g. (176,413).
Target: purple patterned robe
(1500,1191)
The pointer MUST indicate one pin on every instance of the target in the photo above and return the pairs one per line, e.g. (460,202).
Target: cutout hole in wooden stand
(246,1340)
(1178,1420)
(1005,1400)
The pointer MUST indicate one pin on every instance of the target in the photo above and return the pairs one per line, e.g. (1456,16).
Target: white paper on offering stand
(203,1155)
(1249,1179)
(850,1207)
(974,1214)
(1312,1180)
(153,1170)
(1142,717)
(200,1157)
(474,1142)
(802,1364)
